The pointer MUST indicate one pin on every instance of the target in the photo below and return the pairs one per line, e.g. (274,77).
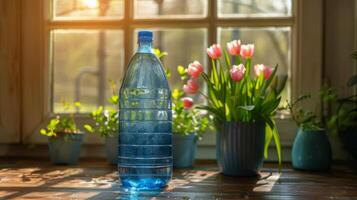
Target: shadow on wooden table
(38,179)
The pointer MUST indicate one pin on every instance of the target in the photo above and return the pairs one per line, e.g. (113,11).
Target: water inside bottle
(145,121)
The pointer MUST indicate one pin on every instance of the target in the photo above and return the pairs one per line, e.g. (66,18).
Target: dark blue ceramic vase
(240,148)
(184,150)
(65,149)
(311,150)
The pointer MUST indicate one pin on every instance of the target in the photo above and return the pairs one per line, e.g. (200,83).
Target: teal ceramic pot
(111,149)
(240,148)
(349,140)
(311,151)
(184,150)
(65,150)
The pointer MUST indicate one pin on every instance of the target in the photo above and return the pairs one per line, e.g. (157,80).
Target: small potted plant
(311,148)
(243,106)
(106,125)
(64,138)
(188,126)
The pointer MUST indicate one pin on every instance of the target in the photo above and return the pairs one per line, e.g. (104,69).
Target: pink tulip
(195,69)
(191,87)
(187,102)
(215,51)
(262,69)
(247,50)
(233,47)
(237,72)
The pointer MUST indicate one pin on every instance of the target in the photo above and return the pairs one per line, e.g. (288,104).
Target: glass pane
(254,8)
(84,62)
(170,8)
(88,9)
(183,46)
(272,46)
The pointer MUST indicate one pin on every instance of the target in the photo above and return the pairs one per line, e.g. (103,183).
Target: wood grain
(24,179)
(10,63)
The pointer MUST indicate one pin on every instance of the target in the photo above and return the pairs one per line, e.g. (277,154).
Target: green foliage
(106,121)
(62,124)
(346,114)
(309,120)
(158,53)
(161,54)
(187,121)
(305,119)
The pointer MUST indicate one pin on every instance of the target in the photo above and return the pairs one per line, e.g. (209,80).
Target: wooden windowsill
(95,179)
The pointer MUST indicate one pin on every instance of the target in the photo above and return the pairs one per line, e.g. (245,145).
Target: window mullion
(128,44)
(212,29)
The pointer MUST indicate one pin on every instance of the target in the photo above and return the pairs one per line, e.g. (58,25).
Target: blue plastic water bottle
(145,121)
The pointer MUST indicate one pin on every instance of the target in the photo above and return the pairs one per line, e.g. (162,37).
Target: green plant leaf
(272,132)
(214,76)
(247,108)
(227,59)
(77,104)
(88,128)
(43,132)
(277,143)
(216,112)
(167,72)
(268,138)
(53,124)
(181,70)
(114,99)
(281,83)
(158,53)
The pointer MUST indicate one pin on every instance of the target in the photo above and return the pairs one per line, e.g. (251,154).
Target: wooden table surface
(31,179)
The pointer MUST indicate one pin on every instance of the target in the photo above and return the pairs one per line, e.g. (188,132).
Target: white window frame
(306,22)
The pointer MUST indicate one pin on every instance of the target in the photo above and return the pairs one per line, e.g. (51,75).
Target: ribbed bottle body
(145,121)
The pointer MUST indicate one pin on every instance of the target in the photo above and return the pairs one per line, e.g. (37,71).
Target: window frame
(305,22)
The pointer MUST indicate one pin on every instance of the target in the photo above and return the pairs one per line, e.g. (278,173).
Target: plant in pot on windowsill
(64,138)
(243,107)
(311,148)
(106,125)
(188,126)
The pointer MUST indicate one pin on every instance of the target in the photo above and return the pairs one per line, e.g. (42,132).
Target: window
(82,44)
(91,41)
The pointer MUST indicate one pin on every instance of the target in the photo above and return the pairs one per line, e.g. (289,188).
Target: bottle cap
(145,36)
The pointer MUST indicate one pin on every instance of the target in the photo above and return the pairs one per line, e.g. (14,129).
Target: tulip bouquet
(233,94)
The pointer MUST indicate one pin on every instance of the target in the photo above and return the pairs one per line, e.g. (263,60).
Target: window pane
(88,9)
(272,46)
(183,46)
(254,8)
(170,8)
(83,63)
